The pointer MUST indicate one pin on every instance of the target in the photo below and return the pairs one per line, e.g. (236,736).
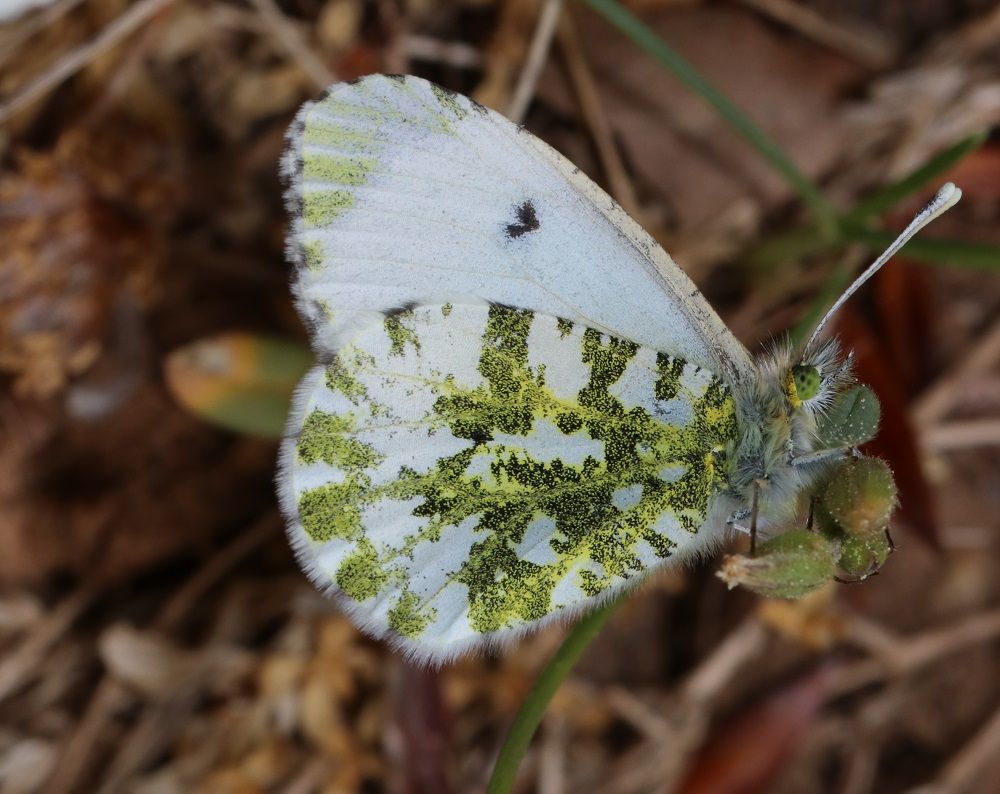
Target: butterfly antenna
(946,198)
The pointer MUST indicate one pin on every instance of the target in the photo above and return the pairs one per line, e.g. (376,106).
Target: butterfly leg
(821,455)
(736,519)
(740,515)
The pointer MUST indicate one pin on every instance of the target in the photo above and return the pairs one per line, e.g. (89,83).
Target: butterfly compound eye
(806,380)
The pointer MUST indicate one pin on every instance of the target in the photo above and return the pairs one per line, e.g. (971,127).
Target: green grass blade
(793,245)
(888,197)
(801,242)
(648,41)
(530,714)
(947,253)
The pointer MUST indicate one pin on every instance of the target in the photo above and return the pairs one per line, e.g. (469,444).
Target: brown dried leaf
(749,750)
(77,240)
(25,765)
(810,621)
(339,24)
(681,150)
(145,661)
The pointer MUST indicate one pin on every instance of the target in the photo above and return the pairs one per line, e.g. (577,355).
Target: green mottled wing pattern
(460,473)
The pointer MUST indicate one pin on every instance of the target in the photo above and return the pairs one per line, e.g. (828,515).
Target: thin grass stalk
(537,700)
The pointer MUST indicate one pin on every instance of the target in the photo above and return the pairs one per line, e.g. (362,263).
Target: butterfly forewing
(402,193)
(461,472)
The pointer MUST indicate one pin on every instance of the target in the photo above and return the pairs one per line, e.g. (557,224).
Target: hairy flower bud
(788,566)
(851,420)
(862,556)
(860,496)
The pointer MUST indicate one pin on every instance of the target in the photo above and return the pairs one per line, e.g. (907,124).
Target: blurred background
(155,634)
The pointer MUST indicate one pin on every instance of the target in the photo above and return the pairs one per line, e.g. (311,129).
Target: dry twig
(871,49)
(967,767)
(294,44)
(938,400)
(110,695)
(21,664)
(35,24)
(907,656)
(453,53)
(310,779)
(541,42)
(619,181)
(76,59)
(688,713)
(552,757)
(962,435)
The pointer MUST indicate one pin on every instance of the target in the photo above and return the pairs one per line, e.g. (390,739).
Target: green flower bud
(863,556)
(851,420)
(860,496)
(790,565)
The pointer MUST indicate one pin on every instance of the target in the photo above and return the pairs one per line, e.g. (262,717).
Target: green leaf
(835,284)
(242,382)
(797,244)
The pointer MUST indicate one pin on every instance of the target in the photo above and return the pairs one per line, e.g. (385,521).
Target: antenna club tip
(948,195)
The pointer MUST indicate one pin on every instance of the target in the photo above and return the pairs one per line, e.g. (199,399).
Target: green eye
(806,378)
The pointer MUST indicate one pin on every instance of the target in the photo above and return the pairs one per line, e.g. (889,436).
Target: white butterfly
(522,405)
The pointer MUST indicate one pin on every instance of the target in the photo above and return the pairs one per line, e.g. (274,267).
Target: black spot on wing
(526,220)
(405,308)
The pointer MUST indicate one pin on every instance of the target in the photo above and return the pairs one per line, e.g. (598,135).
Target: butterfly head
(802,405)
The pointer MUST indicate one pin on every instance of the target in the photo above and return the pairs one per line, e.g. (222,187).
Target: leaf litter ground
(156,634)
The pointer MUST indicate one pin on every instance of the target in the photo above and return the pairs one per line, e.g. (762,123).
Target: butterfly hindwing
(403,193)
(459,473)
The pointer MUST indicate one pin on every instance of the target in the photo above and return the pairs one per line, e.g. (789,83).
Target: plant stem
(530,714)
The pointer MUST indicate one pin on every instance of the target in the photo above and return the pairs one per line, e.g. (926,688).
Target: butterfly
(521,406)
